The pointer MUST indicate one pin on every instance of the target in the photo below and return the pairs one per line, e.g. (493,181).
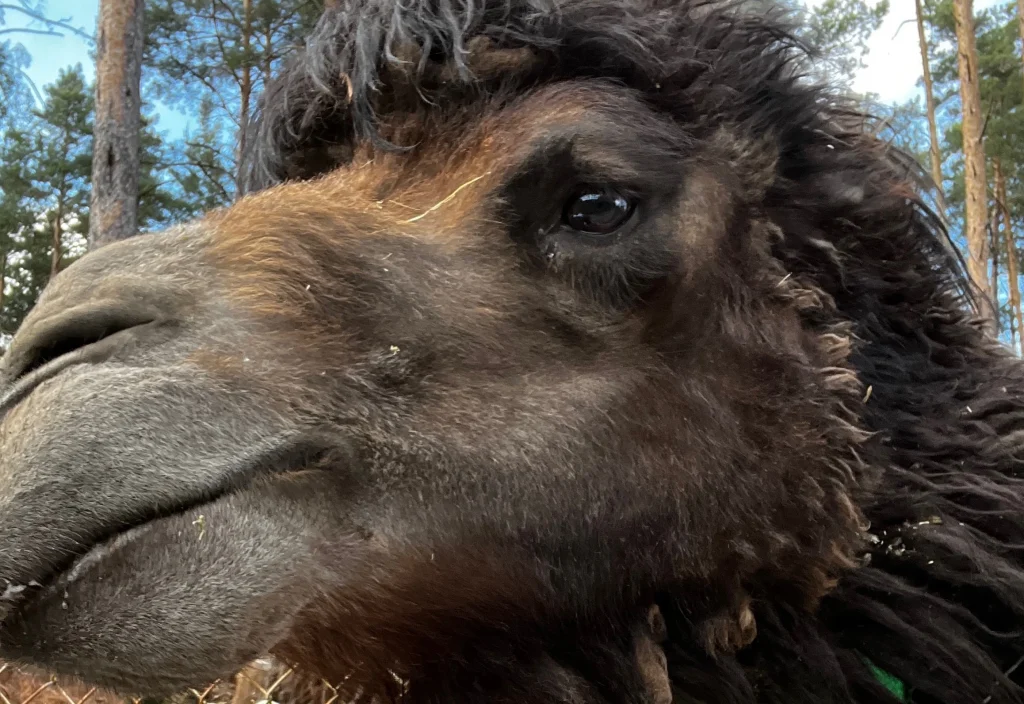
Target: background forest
(205,61)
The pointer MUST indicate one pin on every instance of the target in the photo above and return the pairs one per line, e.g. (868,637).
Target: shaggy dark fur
(940,603)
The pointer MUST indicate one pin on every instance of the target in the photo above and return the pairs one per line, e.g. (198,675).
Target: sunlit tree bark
(118,122)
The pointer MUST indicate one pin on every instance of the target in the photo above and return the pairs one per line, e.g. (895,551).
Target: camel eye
(597,210)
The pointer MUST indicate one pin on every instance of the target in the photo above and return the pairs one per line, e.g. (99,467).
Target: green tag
(893,684)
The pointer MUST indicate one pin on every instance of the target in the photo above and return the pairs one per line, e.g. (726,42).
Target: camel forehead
(436,189)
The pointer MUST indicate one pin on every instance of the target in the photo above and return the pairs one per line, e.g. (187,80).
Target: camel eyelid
(551,173)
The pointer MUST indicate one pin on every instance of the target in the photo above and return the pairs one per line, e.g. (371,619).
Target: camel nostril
(80,335)
(67,333)
(66,343)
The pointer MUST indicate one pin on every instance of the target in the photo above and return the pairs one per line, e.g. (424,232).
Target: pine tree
(839,30)
(996,31)
(45,165)
(17,217)
(201,167)
(1011,251)
(17,96)
(159,203)
(64,145)
(1020,26)
(215,55)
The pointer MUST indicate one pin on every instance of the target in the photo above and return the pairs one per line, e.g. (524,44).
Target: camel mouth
(18,597)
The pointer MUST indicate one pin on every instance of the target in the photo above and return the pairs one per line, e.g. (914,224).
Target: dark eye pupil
(597,210)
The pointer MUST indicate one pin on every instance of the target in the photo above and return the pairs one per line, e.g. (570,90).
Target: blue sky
(51,54)
(892,71)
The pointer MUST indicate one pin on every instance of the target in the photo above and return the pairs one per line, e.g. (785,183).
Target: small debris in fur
(896,547)
(13,591)
(201,522)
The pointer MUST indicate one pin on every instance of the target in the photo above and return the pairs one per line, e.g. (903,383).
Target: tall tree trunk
(993,231)
(1012,270)
(268,56)
(114,203)
(975,216)
(3,279)
(57,243)
(245,94)
(929,96)
(1020,28)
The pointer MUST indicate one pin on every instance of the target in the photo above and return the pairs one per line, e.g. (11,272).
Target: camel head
(538,315)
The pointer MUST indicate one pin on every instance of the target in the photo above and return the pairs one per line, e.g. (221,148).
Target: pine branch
(32,86)
(51,25)
(29,30)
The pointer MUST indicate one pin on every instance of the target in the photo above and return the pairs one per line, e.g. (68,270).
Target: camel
(562,351)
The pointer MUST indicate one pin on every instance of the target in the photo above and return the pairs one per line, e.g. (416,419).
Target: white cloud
(893,63)
(894,56)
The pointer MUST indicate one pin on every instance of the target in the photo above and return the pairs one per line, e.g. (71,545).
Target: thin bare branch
(64,24)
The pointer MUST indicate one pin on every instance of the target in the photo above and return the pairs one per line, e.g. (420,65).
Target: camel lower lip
(17,597)
(99,551)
